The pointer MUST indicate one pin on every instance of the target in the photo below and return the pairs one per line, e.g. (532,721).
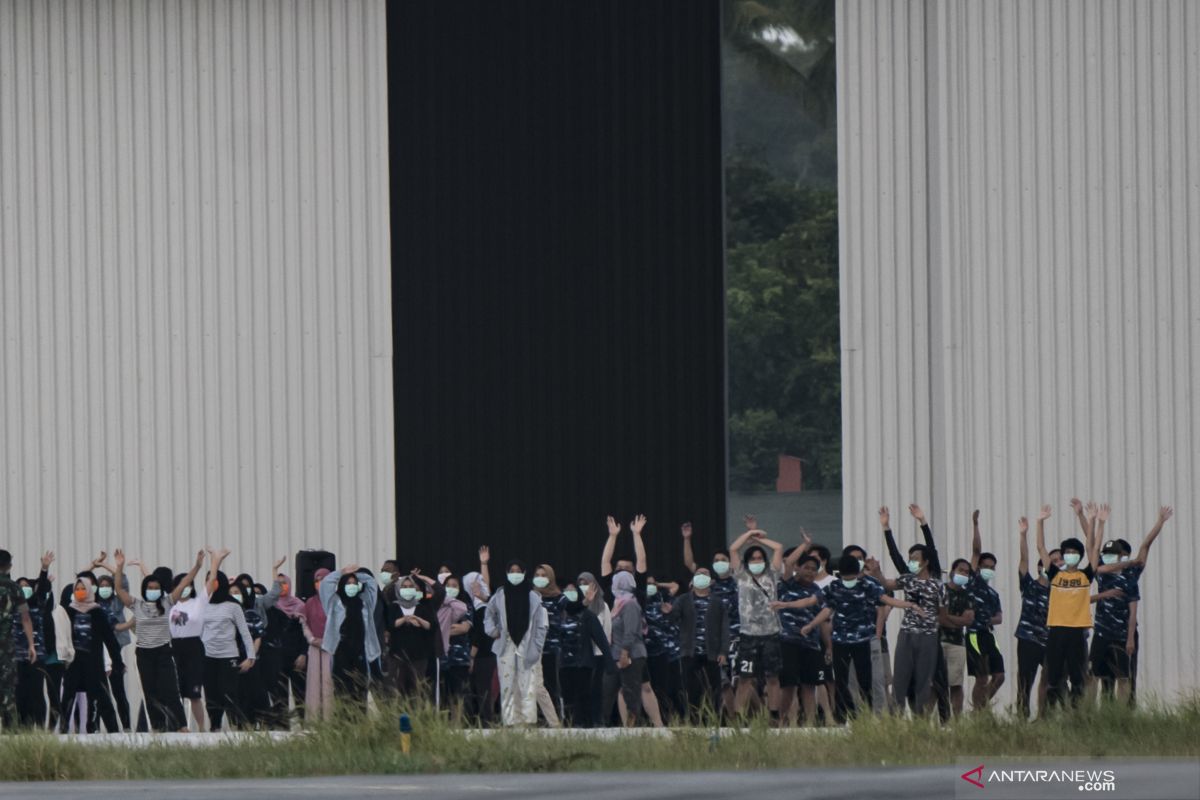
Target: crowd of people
(795,631)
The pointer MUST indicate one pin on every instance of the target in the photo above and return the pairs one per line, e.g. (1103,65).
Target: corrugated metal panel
(1019,196)
(196,280)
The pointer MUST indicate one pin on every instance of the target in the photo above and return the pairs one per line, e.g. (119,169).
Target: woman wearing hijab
(482,665)
(412,624)
(106,598)
(156,664)
(349,599)
(282,655)
(629,645)
(585,650)
(225,631)
(252,691)
(318,678)
(517,622)
(546,585)
(91,634)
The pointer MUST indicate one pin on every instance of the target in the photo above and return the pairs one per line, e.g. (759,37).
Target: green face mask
(757,567)
(851,583)
(105,592)
(914,566)
(385,578)
(186,593)
(516,578)
(701,581)
(540,582)
(452,592)
(352,589)
(27,591)
(1109,558)
(1071,559)
(651,590)
(406,592)
(987,574)
(571,595)
(720,567)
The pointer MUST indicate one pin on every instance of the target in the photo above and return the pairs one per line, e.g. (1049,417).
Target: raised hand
(484,554)
(885,517)
(199,559)
(119,557)
(1044,514)
(872,565)
(637,523)
(751,522)
(1105,510)
(47,559)
(1092,510)
(100,559)
(686,530)
(805,539)
(1165,513)
(278,564)
(1077,505)
(917,513)
(224,552)
(1023,525)
(614,527)
(975,517)
(350,569)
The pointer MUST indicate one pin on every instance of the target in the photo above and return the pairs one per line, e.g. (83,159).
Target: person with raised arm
(1031,632)
(187,625)
(224,630)
(759,654)
(155,659)
(482,669)
(106,598)
(1115,640)
(985,663)
(1068,616)
(91,634)
(804,639)
(724,588)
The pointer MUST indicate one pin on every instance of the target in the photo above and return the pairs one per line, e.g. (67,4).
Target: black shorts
(1108,659)
(802,666)
(983,657)
(189,666)
(758,657)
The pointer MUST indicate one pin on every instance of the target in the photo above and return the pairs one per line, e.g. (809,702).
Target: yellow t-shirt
(1070,598)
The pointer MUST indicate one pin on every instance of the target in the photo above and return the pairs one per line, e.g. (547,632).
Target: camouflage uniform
(11,601)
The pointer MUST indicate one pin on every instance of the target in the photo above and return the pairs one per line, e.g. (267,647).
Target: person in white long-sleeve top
(517,621)
(224,623)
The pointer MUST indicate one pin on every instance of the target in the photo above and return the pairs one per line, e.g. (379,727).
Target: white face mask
(1108,558)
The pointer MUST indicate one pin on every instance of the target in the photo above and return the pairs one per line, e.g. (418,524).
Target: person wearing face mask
(663,654)
(226,637)
(804,640)
(985,662)
(283,657)
(482,669)
(853,599)
(412,623)
(1031,627)
(545,584)
(454,620)
(106,598)
(703,622)
(187,625)
(91,634)
(517,623)
(252,690)
(350,638)
(318,674)
(917,647)
(1115,642)
(585,649)
(32,675)
(156,663)
(759,654)
(881,662)
(723,587)
(954,616)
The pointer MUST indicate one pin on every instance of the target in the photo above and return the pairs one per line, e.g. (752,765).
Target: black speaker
(307,564)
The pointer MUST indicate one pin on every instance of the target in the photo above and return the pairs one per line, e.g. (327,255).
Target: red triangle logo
(978,771)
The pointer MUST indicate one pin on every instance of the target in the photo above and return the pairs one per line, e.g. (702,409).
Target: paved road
(1161,780)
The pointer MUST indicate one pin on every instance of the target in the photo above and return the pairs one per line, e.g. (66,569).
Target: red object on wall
(791,475)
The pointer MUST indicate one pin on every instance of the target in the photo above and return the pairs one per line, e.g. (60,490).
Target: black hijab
(221,593)
(516,603)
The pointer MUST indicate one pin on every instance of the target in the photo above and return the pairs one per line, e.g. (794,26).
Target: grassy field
(371,746)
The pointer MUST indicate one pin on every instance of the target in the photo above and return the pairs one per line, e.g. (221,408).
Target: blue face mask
(987,574)
(352,589)
(701,581)
(153,595)
(1109,558)
(851,583)
(914,566)
(757,567)
(720,567)
(1071,559)
(961,580)
(105,592)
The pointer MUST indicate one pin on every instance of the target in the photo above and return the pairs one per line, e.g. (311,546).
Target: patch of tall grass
(356,744)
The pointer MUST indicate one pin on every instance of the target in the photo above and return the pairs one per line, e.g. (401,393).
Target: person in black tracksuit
(704,634)
(91,632)
(582,636)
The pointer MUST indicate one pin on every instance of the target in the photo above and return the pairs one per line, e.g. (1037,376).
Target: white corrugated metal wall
(195,281)
(1020,241)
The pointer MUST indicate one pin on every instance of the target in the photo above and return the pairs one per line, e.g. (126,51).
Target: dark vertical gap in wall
(557,278)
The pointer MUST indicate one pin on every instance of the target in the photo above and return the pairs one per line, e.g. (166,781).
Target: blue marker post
(405,734)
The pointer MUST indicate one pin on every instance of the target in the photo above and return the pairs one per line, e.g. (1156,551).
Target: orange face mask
(283,588)
(81,594)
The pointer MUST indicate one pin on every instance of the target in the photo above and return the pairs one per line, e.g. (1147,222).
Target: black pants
(666,678)
(577,696)
(350,679)
(221,691)
(86,674)
(279,674)
(551,681)
(1066,660)
(482,704)
(1030,658)
(456,682)
(843,654)
(702,680)
(160,688)
(941,685)
(54,683)
(31,697)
